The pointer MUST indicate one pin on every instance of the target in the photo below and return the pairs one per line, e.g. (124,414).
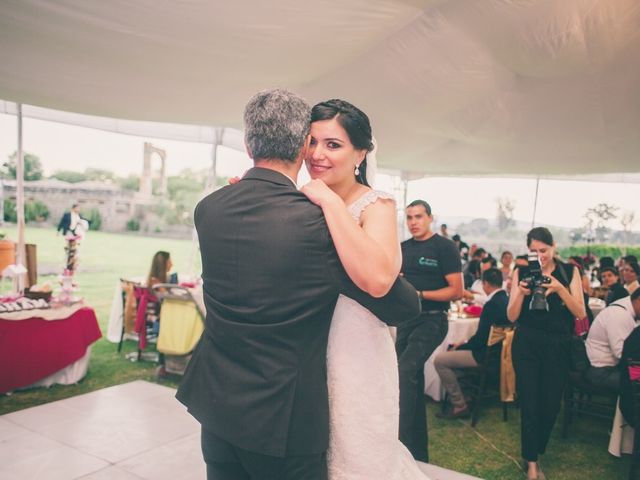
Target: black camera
(535,280)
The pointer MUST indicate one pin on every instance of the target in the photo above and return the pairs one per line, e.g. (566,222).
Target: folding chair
(492,361)
(584,398)
(129,306)
(146,326)
(475,381)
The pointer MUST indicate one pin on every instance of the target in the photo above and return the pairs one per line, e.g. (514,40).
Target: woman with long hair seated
(161,265)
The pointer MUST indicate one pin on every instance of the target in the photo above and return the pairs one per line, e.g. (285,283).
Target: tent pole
(213,174)
(402,227)
(535,202)
(20,252)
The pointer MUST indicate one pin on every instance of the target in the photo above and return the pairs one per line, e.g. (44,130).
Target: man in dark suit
(257,379)
(471,353)
(70,220)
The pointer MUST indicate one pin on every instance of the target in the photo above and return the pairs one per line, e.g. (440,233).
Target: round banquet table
(36,346)
(460,330)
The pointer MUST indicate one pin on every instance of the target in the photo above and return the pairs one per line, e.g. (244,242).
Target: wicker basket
(38,295)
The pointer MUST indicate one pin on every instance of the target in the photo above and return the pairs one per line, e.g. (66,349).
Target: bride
(361,360)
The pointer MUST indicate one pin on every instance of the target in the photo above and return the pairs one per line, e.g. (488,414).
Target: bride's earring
(356,172)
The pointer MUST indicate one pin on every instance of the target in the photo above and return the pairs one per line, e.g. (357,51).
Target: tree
(35,211)
(69,176)
(627,220)
(597,218)
(10,214)
(99,174)
(130,183)
(94,218)
(32,167)
(576,235)
(506,206)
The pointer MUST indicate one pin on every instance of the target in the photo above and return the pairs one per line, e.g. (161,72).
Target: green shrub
(10,214)
(35,211)
(94,218)
(133,225)
(598,250)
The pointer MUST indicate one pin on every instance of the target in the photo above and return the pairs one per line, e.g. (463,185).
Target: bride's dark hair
(354,121)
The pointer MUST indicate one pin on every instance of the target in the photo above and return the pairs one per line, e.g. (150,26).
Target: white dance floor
(128,432)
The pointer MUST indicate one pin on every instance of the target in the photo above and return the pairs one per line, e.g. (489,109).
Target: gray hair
(276,124)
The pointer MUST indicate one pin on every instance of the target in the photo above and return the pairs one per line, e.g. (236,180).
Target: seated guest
(584,277)
(475,293)
(611,280)
(606,338)
(605,262)
(630,273)
(521,261)
(488,262)
(471,353)
(161,265)
(479,253)
(471,273)
(623,261)
(506,259)
(463,248)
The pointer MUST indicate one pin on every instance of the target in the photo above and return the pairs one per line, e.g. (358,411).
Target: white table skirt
(621,439)
(460,330)
(66,376)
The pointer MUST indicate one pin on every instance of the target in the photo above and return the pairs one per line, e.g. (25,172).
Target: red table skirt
(33,349)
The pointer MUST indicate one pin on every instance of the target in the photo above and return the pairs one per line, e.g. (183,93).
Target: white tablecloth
(621,439)
(596,305)
(460,330)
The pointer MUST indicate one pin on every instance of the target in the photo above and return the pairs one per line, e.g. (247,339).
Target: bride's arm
(369,253)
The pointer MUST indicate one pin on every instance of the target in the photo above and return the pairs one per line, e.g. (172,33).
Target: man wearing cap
(431,263)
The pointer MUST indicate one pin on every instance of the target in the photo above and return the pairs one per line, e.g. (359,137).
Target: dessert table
(41,347)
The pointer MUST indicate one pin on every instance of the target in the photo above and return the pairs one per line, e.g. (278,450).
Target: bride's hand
(319,193)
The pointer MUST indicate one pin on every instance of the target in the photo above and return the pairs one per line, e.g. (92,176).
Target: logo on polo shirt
(427,262)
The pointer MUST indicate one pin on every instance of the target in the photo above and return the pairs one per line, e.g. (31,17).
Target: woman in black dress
(542,341)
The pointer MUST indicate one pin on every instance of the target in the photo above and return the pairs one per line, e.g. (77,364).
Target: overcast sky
(64,147)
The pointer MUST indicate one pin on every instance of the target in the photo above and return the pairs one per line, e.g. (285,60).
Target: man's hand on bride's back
(319,193)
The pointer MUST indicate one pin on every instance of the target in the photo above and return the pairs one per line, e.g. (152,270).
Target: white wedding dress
(362,375)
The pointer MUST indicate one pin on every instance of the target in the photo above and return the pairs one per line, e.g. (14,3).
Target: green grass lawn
(491,451)
(103,259)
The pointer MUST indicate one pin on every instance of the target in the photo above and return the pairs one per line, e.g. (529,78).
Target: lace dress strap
(357,207)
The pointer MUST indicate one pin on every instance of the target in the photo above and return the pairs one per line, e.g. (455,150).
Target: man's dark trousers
(227,462)
(415,343)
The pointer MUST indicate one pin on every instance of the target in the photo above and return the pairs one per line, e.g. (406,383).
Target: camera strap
(563,273)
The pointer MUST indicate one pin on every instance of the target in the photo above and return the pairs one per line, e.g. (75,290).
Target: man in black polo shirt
(431,263)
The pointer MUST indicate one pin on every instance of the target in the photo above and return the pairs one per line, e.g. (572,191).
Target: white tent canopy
(488,87)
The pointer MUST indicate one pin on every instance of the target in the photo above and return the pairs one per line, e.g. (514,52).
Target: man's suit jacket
(494,312)
(65,223)
(271,274)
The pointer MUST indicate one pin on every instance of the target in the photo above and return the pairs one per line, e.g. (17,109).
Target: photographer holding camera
(546,297)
